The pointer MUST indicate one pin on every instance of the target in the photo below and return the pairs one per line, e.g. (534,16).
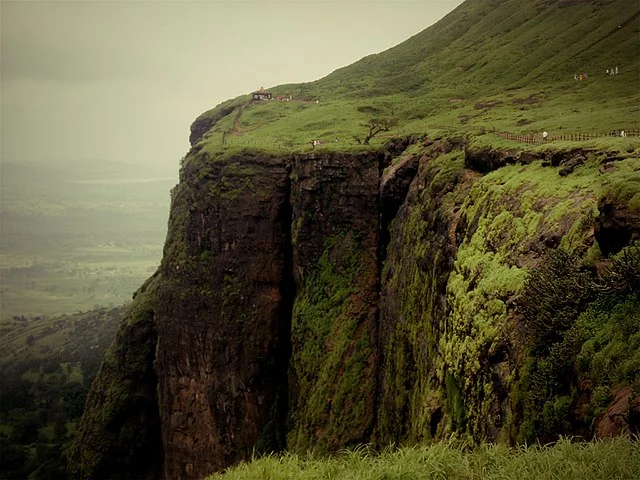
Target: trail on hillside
(236,120)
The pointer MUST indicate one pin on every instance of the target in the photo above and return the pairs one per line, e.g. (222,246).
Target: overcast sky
(123,80)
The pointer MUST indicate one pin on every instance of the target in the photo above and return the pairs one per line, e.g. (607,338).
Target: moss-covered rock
(334,325)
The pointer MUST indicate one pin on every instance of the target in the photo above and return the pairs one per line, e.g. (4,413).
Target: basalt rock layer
(323,300)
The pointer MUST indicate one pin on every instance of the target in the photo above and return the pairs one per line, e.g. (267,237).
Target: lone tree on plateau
(375,126)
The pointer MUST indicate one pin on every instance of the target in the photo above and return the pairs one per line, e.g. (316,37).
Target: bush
(553,296)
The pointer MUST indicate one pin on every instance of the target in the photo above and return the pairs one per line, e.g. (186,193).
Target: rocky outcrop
(223,314)
(419,261)
(121,422)
(488,159)
(207,120)
(394,186)
(618,221)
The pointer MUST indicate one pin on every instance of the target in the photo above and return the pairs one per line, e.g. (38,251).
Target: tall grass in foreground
(618,458)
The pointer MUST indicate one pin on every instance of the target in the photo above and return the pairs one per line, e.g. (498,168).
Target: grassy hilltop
(508,64)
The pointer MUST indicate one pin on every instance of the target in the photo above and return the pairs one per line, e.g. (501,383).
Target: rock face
(334,328)
(618,222)
(325,300)
(223,315)
(205,122)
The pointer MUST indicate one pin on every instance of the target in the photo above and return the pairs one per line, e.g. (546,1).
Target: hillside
(444,278)
(500,64)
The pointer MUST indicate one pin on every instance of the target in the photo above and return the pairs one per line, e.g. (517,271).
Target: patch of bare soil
(535,98)
(613,421)
(488,104)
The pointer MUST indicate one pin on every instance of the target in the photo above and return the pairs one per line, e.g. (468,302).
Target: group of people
(583,75)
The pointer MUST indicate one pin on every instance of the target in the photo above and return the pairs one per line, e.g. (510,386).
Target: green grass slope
(508,64)
(619,458)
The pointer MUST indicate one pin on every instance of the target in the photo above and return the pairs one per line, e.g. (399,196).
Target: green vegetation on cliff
(457,354)
(331,364)
(121,421)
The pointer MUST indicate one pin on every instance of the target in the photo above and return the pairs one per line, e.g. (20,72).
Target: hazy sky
(123,80)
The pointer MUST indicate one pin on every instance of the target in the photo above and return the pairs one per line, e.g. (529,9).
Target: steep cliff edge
(322,300)
(490,297)
(223,314)
(121,421)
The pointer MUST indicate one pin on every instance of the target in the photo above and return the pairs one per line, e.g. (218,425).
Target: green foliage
(552,297)
(455,403)
(582,350)
(625,193)
(609,336)
(623,275)
(45,382)
(618,458)
(331,356)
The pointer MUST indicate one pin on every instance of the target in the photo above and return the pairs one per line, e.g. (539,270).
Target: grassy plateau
(509,64)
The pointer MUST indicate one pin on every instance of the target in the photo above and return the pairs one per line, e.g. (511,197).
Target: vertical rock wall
(419,259)
(223,316)
(314,304)
(335,236)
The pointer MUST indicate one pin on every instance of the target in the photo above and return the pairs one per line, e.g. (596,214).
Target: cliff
(441,279)
(324,300)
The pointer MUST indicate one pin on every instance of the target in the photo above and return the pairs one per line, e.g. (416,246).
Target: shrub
(553,296)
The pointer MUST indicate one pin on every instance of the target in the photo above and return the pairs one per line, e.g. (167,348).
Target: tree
(376,126)
(60,429)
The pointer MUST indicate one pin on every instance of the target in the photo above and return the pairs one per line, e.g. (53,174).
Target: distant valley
(78,236)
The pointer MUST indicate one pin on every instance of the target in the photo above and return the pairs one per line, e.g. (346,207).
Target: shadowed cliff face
(223,322)
(241,232)
(334,328)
